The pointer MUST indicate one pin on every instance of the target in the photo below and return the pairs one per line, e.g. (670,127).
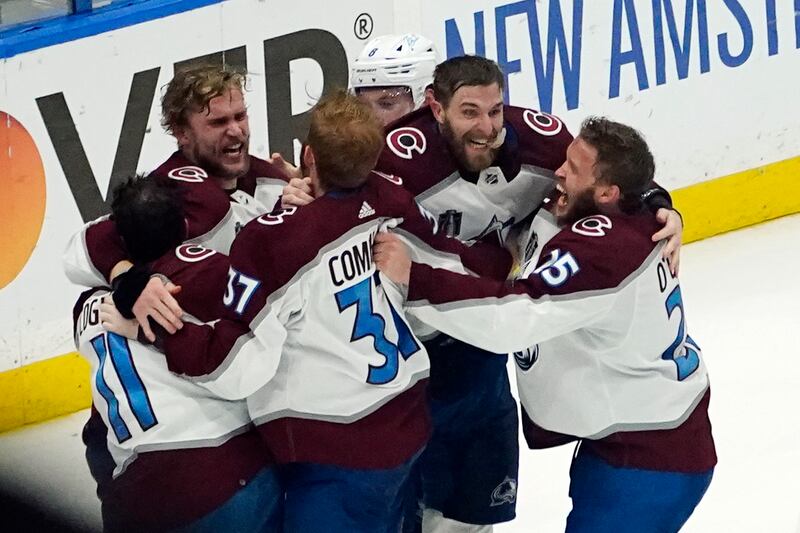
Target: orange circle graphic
(22,197)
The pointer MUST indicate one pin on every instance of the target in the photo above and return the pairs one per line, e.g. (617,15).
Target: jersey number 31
(370,324)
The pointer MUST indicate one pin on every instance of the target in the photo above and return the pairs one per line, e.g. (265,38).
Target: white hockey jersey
(597,324)
(144,405)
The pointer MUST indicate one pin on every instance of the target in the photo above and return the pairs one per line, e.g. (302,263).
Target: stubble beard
(582,206)
(459,151)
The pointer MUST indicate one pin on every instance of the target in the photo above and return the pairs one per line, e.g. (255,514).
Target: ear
(607,195)
(438,110)
(428,95)
(308,159)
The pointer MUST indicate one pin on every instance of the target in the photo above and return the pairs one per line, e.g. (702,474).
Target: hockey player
(333,376)
(393,73)
(212,474)
(602,350)
(478,166)
(223,185)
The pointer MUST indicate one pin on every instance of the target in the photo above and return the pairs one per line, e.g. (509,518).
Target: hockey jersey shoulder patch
(542,123)
(193,253)
(189,174)
(276,217)
(406,141)
(593,226)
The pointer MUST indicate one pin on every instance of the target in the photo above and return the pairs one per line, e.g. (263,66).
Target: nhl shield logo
(505,492)
(492,176)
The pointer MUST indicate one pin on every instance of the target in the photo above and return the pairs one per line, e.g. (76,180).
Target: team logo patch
(397,180)
(505,492)
(542,123)
(593,226)
(190,174)
(526,359)
(405,141)
(193,253)
(277,216)
(495,225)
(427,215)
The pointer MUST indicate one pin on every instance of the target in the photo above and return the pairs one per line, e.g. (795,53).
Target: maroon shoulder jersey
(213,215)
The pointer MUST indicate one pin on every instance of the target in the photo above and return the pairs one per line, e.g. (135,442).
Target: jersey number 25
(683,351)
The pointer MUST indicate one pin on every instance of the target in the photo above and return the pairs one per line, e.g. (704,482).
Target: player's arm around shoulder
(92,253)
(227,357)
(549,301)
(201,273)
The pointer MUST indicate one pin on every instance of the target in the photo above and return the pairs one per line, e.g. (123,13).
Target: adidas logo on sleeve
(365,211)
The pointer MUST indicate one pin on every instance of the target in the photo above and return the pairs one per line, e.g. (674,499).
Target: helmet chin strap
(499,140)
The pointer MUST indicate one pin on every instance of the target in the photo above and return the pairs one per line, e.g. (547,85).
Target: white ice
(742,297)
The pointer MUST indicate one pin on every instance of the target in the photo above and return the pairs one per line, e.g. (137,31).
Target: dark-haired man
(212,474)
(599,329)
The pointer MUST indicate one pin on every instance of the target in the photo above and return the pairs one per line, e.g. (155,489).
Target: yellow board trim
(44,390)
(739,200)
(60,385)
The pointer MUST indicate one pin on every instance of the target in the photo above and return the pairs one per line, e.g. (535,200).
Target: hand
(113,321)
(286,167)
(391,257)
(157,301)
(673,232)
(297,193)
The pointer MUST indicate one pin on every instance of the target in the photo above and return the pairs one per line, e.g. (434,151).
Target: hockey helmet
(396,61)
